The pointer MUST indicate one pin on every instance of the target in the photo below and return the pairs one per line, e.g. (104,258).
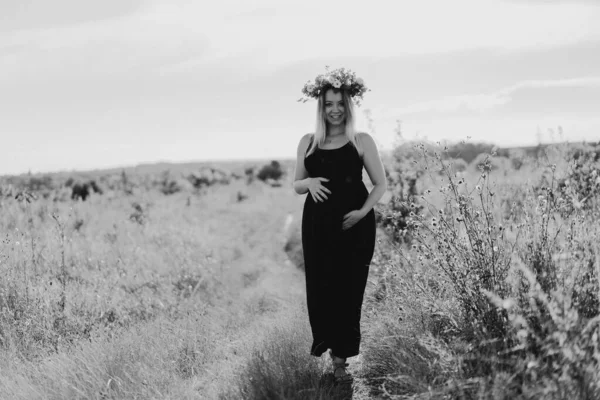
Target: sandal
(346,377)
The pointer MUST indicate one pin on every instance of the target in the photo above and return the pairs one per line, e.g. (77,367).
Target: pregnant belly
(341,200)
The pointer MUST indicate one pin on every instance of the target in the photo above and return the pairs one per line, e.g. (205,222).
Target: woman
(338,221)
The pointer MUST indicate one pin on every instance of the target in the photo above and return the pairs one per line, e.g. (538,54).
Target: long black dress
(336,261)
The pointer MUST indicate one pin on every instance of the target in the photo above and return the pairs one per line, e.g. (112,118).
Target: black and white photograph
(299,199)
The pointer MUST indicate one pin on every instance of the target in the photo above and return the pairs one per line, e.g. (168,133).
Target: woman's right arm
(301,178)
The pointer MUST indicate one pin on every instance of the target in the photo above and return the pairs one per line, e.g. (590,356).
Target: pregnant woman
(338,220)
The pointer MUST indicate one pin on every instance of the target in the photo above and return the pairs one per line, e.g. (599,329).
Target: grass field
(489,291)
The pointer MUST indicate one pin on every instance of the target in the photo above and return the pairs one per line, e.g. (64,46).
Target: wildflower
(531,364)
(495,249)
(336,84)
(478,188)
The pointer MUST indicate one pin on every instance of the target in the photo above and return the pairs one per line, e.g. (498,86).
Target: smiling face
(335,111)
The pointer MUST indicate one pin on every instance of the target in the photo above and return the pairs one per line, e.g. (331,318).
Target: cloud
(555,2)
(18,15)
(472,104)
(124,46)
(181,36)
(383,28)
(593,81)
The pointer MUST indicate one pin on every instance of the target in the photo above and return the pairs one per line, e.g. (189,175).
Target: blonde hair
(321,125)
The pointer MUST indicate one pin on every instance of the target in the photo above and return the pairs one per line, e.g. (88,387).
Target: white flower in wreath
(360,81)
(336,84)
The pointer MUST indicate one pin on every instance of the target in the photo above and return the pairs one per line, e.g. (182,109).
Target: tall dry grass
(496,296)
(487,288)
(137,296)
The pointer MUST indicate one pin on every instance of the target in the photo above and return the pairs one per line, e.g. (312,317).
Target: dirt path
(271,295)
(275,295)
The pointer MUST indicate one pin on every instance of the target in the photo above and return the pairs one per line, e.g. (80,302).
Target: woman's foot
(340,374)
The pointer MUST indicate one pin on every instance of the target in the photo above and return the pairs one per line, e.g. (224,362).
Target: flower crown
(340,78)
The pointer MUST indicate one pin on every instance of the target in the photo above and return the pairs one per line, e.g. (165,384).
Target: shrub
(270,171)
(582,182)
(38,183)
(169,185)
(468,151)
(489,162)
(517,158)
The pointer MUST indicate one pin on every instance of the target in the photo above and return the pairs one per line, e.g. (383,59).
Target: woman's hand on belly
(351,218)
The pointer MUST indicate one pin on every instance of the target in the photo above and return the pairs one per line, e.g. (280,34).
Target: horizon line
(241,160)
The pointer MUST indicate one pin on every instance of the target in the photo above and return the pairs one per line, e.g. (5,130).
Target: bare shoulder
(366,140)
(304,142)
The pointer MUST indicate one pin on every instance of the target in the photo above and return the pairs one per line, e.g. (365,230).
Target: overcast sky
(91,84)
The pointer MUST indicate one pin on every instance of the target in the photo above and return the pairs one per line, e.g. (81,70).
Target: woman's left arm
(374,167)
